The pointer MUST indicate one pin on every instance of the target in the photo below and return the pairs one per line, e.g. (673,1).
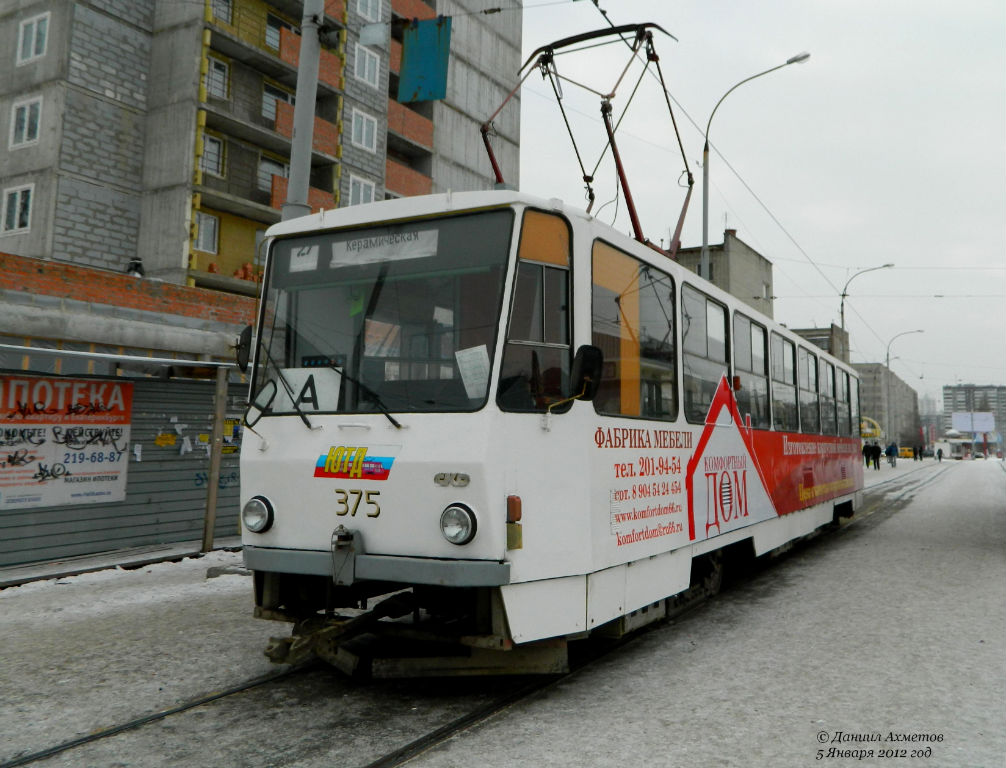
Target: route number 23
(348,502)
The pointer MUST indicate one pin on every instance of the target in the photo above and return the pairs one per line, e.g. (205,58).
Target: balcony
(412,9)
(329,65)
(325,137)
(318,199)
(409,125)
(401,180)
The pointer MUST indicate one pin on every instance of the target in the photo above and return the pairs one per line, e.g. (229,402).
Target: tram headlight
(457,523)
(257,514)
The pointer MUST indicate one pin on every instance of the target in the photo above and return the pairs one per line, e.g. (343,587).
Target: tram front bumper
(357,566)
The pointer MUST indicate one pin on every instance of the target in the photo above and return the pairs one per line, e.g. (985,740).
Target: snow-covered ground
(87,652)
(896,624)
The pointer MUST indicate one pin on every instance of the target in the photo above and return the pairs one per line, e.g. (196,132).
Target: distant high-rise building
(976,398)
(892,403)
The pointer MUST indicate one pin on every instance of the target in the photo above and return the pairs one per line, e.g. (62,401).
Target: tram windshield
(397,318)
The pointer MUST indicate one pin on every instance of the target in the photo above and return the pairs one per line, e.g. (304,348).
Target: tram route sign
(973,421)
(63,441)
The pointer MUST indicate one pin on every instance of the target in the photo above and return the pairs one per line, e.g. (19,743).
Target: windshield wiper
(371,395)
(287,388)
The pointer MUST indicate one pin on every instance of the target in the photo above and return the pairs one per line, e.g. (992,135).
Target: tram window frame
(785,406)
(842,402)
(537,351)
(829,413)
(854,409)
(640,373)
(751,371)
(696,352)
(809,397)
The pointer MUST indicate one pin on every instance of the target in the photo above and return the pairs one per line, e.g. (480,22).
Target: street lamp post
(704,258)
(887,374)
(844,293)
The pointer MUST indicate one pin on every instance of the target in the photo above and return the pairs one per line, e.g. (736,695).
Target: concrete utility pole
(888,410)
(303,112)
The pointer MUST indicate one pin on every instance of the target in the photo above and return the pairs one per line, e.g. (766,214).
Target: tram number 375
(348,502)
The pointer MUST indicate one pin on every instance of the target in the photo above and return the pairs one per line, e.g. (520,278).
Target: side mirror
(244,348)
(261,403)
(585,376)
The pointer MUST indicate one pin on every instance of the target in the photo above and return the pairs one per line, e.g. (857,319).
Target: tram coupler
(345,545)
(325,638)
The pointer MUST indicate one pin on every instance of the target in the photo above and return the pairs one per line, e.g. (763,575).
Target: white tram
(533,424)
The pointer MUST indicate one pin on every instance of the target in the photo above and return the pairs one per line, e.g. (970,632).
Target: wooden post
(216,450)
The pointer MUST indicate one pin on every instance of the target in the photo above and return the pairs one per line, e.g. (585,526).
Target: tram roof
(421,205)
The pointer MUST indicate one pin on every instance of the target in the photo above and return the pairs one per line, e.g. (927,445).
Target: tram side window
(810,415)
(751,367)
(784,402)
(536,359)
(633,324)
(842,402)
(856,425)
(704,348)
(829,420)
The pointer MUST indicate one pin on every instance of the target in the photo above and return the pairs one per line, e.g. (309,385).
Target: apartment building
(890,402)
(152,137)
(975,398)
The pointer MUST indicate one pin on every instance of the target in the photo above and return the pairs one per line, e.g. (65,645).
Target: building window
(32,38)
(367,66)
(273,27)
(270,95)
(267,168)
(24,124)
(17,209)
(364,131)
(360,191)
(212,160)
(369,9)
(217,78)
(207,228)
(222,11)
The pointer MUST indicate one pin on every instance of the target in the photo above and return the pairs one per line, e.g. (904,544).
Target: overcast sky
(888,145)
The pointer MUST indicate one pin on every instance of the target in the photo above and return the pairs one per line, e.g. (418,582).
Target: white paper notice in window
(304,258)
(396,246)
(473,363)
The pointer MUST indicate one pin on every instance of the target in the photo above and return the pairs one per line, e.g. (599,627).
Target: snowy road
(894,625)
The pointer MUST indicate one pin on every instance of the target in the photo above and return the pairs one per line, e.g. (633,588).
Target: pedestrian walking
(892,454)
(939,454)
(875,455)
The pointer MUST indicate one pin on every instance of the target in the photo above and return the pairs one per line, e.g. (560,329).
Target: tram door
(542,449)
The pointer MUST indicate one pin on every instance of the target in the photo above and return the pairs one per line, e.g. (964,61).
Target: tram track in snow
(153,717)
(585,653)
(893,493)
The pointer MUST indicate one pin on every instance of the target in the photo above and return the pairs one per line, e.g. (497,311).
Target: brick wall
(412,9)
(324,137)
(68,281)
(409,124)
(404,181)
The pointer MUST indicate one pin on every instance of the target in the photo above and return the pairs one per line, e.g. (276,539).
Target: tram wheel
(707,572)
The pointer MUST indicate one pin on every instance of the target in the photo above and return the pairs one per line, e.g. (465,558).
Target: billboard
(973,421)
(63,441)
